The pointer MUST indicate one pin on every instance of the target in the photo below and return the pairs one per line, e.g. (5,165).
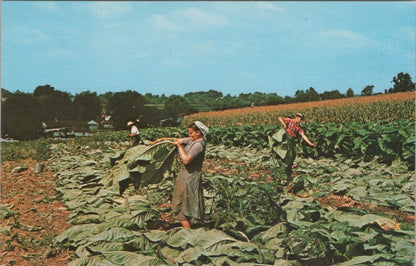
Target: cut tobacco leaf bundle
(142,165)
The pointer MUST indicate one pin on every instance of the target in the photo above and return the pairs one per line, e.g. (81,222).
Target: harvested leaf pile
(248,220)
(141,165)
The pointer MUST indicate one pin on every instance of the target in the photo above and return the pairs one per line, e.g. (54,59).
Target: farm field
(360,109)
(350,202)
(250,216)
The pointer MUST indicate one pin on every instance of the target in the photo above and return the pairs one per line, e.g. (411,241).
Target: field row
(360,109)
(247,221)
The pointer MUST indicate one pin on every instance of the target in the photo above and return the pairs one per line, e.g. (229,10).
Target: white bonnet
(203,128)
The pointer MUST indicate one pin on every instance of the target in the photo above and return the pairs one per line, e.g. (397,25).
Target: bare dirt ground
(346,202)
(39,217)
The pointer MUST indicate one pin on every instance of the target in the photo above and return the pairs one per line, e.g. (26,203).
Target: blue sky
(232,47)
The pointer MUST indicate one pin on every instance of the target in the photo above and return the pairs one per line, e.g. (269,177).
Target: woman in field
(188,197)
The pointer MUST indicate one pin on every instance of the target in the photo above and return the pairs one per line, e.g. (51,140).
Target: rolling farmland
(360,109)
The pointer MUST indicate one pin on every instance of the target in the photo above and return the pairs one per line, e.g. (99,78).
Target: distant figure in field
(134,133)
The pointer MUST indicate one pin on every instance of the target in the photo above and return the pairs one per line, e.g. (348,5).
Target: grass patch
(39,150)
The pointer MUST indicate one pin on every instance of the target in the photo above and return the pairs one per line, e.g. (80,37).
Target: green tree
(176,107)
(213,94)
(5,93)
(56,106)
(272,99)
(43,91)
(87,106)
(402,82)
(350,93)
(21,116)
(289,99)
(368,90)
(201,100)
(335,94)
(306,96)
(126,106)
(300,96)
(104,101)
(312,95)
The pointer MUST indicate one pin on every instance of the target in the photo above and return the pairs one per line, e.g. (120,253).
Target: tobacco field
(348,202)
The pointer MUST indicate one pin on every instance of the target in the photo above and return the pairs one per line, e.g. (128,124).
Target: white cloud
(198,17)
(267,6)
(249,10)
(139,54)
(60,53)
(202,48)
(114,25)
(405,33)
(23,35)
(109,10)
(187,19)
(342,38)
(173,63)
(47,6)
(161,22)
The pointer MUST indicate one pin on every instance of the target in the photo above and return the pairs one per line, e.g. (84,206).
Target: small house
(106,121)
(93,126)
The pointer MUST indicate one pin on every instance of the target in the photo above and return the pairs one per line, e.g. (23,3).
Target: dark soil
(39,217)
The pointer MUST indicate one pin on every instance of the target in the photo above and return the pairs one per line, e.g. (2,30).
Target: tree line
(23,114)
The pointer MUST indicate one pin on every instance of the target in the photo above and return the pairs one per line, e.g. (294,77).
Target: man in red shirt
(293,128)
(286,140)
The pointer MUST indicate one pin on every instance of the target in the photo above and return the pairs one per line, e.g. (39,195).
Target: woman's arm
(185,157)
(190,155)
(161,139)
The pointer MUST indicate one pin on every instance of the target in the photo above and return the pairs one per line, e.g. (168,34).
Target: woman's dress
(188,197)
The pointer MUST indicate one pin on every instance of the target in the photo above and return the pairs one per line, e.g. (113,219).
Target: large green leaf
(135,220)
(190,254)
(160,164)
(182,237)
(274,231)
(5,212)
(211,238)
(93,260)
(116,234)
(277,143)
(156,235)
(79,233)
(240,251)
(364,260)
(142,165)
(362,220)
(140,243)
(120,170)
(130,258)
